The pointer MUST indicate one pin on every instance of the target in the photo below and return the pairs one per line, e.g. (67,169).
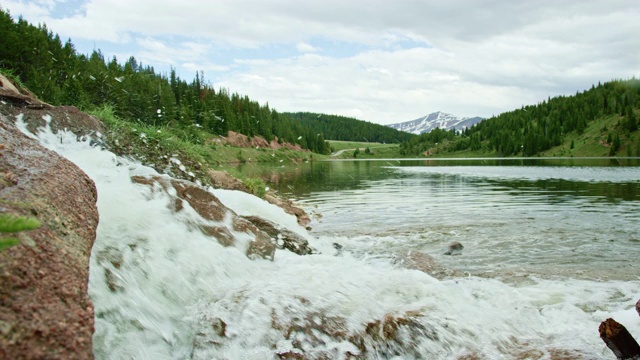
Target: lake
(565,217)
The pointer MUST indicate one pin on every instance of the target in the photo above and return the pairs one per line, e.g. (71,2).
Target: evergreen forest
(343,128)
(55,72)
(532,129)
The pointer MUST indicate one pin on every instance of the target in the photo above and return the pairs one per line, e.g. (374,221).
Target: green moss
(12,224)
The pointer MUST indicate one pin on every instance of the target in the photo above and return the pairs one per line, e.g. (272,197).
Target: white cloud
(378,60)
(304,47)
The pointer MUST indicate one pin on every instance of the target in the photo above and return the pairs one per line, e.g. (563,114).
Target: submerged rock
(455,248)
(421,261)
(301,332)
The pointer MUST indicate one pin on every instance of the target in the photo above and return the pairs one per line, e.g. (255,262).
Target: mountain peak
(434,120)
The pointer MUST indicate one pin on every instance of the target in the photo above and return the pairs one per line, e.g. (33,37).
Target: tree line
(343,128)
(534,128)
(59,75)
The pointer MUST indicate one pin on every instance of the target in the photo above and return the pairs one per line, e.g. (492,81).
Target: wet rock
(290,208)
(417,260)
(203,202)
(261,248)
(455,248)
(221,233)
(421,261)
(45,311)
(211,209)
(285,239)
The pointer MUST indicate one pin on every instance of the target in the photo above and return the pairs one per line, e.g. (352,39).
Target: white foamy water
(177,294)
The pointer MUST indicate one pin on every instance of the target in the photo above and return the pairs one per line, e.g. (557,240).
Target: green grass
(9,74)
(377,150)
(337,145)
(593,141)
(187,153)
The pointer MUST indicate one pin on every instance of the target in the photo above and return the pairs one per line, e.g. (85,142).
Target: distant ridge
(434,120)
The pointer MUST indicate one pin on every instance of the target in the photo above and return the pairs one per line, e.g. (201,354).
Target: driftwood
(618,339)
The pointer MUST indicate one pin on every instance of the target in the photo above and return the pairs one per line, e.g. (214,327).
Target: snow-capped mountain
(434,120)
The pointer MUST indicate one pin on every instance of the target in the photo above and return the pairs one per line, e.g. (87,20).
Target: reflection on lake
(570,217)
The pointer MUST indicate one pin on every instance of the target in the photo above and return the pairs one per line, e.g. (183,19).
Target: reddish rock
(290,208)
(45,312)
(239,140)
(222,180)
(209,207)
(285,239)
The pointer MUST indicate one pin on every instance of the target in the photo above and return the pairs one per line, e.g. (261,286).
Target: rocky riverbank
(45,311)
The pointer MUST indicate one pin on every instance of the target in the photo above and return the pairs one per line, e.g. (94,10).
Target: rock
(36,113)
(418,260)
(45,311)
(203,202)
(223,180)
(262,247)
(455,248)
(221,233)
(638,307)
(239,140)
(285,239)
(210,209)
(289,207)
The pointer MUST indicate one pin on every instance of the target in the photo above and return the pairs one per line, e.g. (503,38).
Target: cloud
(378,60)
(306,48)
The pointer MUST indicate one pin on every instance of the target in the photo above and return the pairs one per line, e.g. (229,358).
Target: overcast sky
(380,61)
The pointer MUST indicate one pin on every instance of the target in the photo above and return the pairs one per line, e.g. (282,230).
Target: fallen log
(618,339)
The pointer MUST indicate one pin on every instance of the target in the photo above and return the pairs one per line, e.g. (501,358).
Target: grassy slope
(157,146)
(593,141)
(378,150)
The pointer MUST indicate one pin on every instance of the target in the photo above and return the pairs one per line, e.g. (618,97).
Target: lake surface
(568,217)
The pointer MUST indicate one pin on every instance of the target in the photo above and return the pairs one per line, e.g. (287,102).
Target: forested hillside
(57,74)
(334,127)
(536,128)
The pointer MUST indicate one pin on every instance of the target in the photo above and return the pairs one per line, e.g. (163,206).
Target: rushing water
(549,253)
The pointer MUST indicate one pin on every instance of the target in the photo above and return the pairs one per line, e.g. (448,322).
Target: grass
(377,150)
(9,74)
(593,141)
(338,145)
(187,153)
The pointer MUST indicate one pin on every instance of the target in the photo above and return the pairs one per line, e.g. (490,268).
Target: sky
(377,60)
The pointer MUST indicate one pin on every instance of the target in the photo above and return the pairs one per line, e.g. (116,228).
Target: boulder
(223,180)
(211,209)
(285,239)
(45,311)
